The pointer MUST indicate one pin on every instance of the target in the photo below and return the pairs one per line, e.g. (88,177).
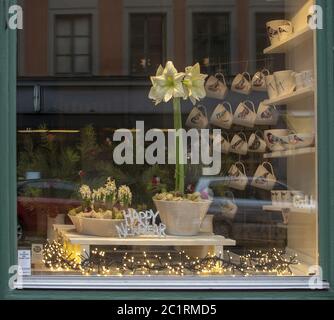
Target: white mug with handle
(239,144)
(216,87)
(271,87)
(264,178)
(259,80)
(224,141)
(256,142)
(267,114)
(279,30)
(242,83)
(221,116)
(285,82)
(197,118)
(245,114)
(228,205)
(285,30)
(237,176)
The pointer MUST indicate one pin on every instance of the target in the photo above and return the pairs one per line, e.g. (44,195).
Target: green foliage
(47,154)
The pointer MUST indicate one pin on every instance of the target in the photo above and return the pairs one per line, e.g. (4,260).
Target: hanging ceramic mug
(256,142)
(259,80)
(228,206)
(224,142)
(245,115)
(216,87)
(266,115)
(285,82)
(264,178)
(271,87)
(242,83)
(237,176)
(221,116)
(197,118)
(239,144)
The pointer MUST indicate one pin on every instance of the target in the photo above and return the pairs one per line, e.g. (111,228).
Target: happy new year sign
(140,223)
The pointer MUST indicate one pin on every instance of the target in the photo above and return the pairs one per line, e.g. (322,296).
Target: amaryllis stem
(179,166)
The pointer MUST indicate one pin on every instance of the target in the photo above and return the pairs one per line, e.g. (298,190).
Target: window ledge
(170,283)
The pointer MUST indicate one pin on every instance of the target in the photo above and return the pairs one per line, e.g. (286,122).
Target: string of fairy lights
(57,257)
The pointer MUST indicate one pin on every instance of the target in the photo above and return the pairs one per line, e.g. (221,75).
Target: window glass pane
(146,42)
(82,26)
(63,64)
(211,40)
(81,64)
(77,42)
(81,46)
(63,46)
(95,151)
(63,26)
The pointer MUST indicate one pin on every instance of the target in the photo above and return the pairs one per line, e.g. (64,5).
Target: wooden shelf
(295,40)
(288,209)
(275,208)
(292,97)
(289,153)
(301,114)
(69,232)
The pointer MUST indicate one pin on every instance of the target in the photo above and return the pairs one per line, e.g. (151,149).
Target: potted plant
(182,214)
(101,210)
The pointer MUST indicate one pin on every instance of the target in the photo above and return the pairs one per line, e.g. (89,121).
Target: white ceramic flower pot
(182,218)
(100,227)
(207,224)
(76,222)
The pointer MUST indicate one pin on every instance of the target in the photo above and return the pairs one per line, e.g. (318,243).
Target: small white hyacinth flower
(124,195)
(110,186)
(85,192)
(194,83)
(167,84)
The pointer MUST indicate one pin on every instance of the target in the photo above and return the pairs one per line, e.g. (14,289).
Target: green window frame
(325,45)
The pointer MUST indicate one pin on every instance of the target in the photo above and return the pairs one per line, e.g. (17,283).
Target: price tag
(24,261)
(37,254)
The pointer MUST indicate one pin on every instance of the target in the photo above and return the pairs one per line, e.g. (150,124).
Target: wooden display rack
(84,242)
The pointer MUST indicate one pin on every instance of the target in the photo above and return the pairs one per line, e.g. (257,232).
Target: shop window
(147,42)
(211,41)
(101,187)
(73,52)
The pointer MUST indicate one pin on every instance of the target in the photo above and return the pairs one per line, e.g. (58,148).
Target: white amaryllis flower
(167,84)
(194,83)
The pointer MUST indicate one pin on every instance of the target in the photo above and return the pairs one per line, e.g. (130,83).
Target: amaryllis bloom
(167,84)
(194,83)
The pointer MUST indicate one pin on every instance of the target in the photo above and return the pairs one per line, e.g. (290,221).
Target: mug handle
(252,104)
(244,136)
(242,166)
(229,105)
(271,167)
(265,72)
(230,193)
(261,135)
(249,76)
(219,74)
(202,108)
(225,135)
